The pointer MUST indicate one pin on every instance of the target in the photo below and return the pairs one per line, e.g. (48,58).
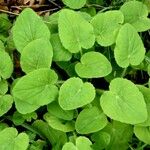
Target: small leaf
(142,133)
(6,65)
(3,87)
(90,120)
(59,124)
(124,99)
(60,53)
(136,14)
(74,94)
(5,104)
(74,4)
(56,110)
(129,48)
(101,140)
(106,26)
(34,90)
(11,140)
(28,27)
(93,65)
(37,54)
(74,31)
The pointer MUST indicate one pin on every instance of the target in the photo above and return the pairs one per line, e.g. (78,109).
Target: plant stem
(30,128)
(123,72)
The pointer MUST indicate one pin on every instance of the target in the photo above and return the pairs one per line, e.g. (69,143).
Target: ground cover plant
(77,79)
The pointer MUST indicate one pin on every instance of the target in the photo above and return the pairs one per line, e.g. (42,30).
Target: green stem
(30,128)
(123,72)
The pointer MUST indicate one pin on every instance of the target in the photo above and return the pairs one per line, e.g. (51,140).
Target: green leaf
(146,93)
(120,135)
(129,48)
(3,87)
(124,99)
(21,142)
(74,94)
(69,146)
(74,31)
(11,140)
(28,27)
(37,54)
(101,140)
(82,143)
(136,14)
(6,65)
(34,90)
(55,137)
(59,124)
(90,120)
(57,111)
(74,4)
(93,65)
(5,104)
(60,53)
(142,133)
(106,26)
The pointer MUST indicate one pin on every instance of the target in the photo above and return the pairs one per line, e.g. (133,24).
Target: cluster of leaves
(52,101)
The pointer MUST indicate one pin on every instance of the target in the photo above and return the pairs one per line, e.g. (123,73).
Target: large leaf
(34,90)
(28,27)
(74,94)
(124,99)
(74,4)
(6,65)
(93,65)
(5,103)
(129,48)
(59,124)
(106,26)
(136,13)
(60,53)
(37,54)
(74,31)
(142,133)
(11,140)
(90,120)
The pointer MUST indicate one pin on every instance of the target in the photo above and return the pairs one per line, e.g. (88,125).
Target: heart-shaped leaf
(93,65)
(74,94)
(28,27)
(123,101)
(106,26)
(10,139)
(34,90)
(136,14)
(90,120)
(129,48)
(37,54)
(74,31)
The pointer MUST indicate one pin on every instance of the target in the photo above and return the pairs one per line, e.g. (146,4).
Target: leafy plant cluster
(48,65)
